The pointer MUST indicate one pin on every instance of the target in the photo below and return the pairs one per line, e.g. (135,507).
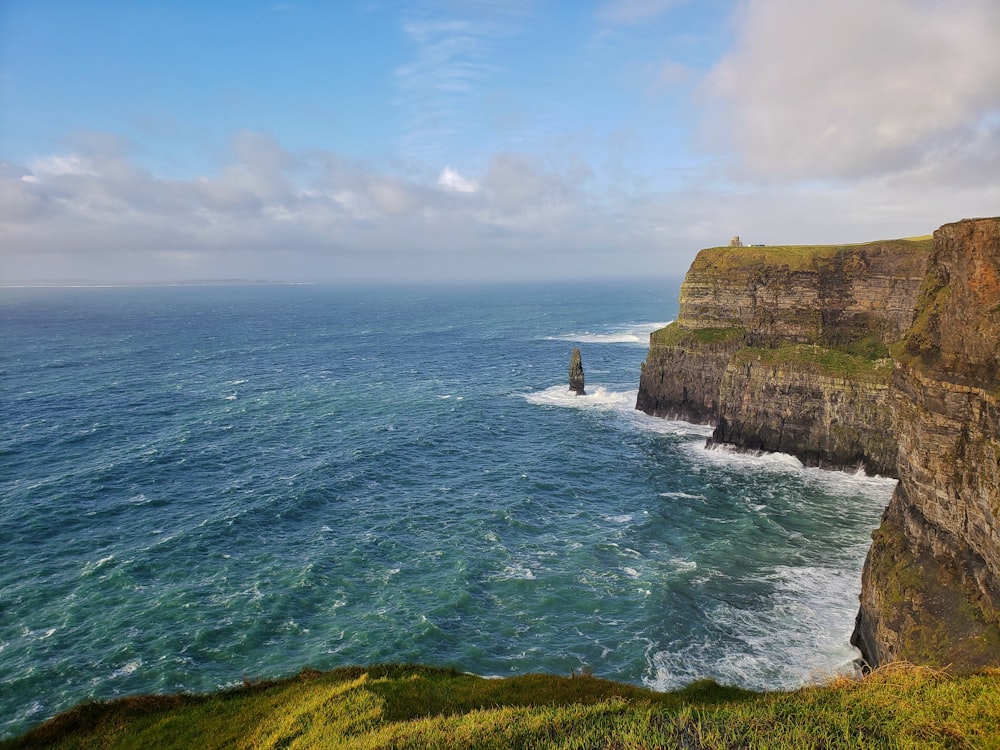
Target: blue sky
(438,140)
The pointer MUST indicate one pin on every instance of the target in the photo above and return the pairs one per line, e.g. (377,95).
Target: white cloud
(440,85)
(452,181)
(847,89)
(518,184)
(391,197)
(668,74)
(270,213)
(63,164)
(103,217)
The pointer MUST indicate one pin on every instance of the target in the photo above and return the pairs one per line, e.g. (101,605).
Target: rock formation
(788,349)
(931,584)
(785,348)
(576,373)
(802,401)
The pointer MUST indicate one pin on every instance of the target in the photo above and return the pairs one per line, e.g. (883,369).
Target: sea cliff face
(785,348)
(784,400)
(788,349)
(931,584)
(805,294)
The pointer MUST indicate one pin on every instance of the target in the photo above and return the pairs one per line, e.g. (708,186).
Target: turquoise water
(202,484)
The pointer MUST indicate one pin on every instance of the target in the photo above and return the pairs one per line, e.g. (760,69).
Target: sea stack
(576,373)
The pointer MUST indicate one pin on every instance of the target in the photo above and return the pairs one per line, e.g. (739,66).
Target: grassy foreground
(403,706)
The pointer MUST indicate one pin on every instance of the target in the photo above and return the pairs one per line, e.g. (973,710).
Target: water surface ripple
(199,484)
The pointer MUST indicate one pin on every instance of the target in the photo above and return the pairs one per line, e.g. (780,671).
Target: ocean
(206,484)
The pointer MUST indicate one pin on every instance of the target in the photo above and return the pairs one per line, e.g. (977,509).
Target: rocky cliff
(785,348)
(931,584)
(788,349)
(827,408)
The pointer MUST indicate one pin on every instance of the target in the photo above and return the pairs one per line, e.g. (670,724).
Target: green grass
(796,257)
(403,706)
(674,335)
(833,363)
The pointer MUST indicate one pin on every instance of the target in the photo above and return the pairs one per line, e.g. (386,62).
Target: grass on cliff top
(674,335)
(794,257)
(832,363)
(405,706)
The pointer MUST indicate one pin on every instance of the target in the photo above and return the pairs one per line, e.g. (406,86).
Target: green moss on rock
(822,361)
(676,335)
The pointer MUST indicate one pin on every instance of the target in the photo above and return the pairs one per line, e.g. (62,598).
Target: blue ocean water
(202,484)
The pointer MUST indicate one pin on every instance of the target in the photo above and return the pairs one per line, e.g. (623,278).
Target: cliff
(828,408)
(931,584)
(788,349)
(785,348)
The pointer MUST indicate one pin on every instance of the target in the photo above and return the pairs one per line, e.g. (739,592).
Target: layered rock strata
(794,400)
(576,379)
(931,584)
(784,348)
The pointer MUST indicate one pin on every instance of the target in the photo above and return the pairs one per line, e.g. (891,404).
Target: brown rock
(780,348)
(931,585)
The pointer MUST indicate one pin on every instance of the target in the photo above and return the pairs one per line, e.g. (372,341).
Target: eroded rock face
(931,584)
(784,349)
(824,295)
(680,380)
(576,381)
(788,406)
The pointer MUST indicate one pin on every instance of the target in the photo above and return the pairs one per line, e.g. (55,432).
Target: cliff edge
(884,355)
(785,348)
(931,583)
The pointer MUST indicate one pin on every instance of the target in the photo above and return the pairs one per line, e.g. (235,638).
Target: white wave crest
(621,403)
(838,483)
(812,607)
(682,565)
(733,456)
(663,426)
(842,483)
(517,572)
(623,333)
(90,568)
(128,669)
(682,496)
(600,397)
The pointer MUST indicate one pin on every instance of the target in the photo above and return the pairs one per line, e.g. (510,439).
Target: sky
(481,140)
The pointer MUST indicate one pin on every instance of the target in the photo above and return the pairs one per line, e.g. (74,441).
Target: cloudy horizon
(478,141)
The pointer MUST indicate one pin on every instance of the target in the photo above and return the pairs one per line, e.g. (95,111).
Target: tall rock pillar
(576,373)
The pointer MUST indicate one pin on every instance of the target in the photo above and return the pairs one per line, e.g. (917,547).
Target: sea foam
(624,333)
